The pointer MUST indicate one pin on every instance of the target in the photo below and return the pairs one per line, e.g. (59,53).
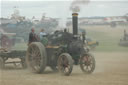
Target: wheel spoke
(32,48)
(86,68)
(30,54)
(34,57)
(90,67)
(38,54)
(66,69)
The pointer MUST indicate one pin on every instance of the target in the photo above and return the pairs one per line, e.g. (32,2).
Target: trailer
(7,41)
(5,55)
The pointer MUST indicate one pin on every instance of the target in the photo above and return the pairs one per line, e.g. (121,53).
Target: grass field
(108,38)
(111,64)
(20,46)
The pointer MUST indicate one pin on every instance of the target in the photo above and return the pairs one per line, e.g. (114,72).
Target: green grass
(108,39)
(20,46)
(110,47)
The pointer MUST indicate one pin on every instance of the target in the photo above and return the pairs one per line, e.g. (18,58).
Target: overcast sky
(60,8)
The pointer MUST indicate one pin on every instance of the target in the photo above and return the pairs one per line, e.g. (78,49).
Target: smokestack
(75,24)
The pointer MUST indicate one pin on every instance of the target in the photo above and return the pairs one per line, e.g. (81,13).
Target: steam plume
(76,4)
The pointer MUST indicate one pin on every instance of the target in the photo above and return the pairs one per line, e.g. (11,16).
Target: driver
(32,37)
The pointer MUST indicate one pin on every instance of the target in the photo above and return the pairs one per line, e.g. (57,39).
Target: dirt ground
(111,69)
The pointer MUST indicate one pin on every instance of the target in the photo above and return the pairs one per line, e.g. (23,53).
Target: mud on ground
(111,69)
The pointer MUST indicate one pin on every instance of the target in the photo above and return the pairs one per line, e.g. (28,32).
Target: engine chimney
(75,24)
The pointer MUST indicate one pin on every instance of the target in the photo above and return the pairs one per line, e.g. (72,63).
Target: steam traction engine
(61,52)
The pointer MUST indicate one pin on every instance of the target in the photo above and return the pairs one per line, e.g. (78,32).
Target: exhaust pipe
(75,24)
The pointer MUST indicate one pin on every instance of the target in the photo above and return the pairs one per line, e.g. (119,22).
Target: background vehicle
(92,43)
(124,40)
(6,52)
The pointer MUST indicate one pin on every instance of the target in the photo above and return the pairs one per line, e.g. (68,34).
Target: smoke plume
(76,4)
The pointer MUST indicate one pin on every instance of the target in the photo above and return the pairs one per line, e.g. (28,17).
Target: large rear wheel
(36,57)
(65,64)
(87,63)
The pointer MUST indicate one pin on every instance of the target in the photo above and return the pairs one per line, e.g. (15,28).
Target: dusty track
(111,69)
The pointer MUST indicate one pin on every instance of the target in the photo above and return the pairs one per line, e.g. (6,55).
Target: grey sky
(56,8)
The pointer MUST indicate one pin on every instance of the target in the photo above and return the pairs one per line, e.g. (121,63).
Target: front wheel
(65,64)
(87,63)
